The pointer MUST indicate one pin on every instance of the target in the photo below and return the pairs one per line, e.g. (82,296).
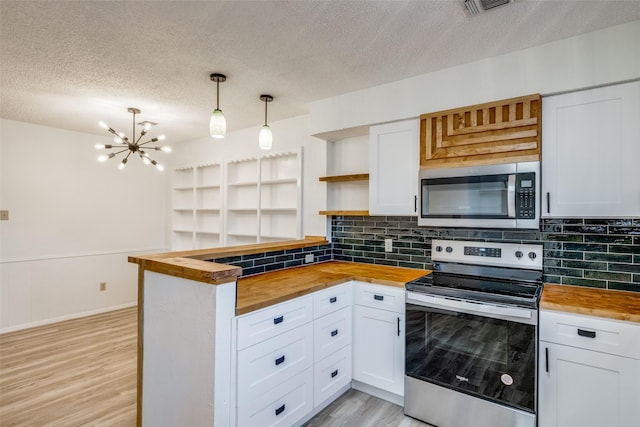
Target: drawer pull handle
(588,334)
(378,297)
(279,410)
(333,299)
(279,360)
(278,320)
(334,332)
(334,373)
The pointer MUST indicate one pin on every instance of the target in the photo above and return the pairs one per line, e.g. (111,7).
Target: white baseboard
(66,317)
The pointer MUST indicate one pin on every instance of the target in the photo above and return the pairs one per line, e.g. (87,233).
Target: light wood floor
(82,372)
(79,372)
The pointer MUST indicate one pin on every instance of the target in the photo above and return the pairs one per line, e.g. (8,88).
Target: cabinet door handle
(548,202)
(278,320)
(334,332)
(280,360)
(415,203)
(332,300)
(585,333)
(546,359)
(334,373)
(378,297)
(279,410)
(398,326)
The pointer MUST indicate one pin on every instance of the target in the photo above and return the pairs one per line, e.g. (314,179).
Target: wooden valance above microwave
(496,132)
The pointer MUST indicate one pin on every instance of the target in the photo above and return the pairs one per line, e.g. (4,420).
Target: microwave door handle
(511,196)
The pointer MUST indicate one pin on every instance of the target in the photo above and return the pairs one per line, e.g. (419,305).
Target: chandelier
(122,144)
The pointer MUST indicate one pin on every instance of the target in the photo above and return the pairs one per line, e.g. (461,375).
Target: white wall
(72,224)
(288,135)
(600,57)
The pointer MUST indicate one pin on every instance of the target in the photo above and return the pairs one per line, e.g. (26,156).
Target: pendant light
(217,124)
(265,140)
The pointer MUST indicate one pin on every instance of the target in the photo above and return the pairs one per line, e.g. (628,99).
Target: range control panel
(488,253)
(482,251)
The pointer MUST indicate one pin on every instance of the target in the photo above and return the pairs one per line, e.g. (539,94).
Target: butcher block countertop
(263,290)
(619,305)
(193,264)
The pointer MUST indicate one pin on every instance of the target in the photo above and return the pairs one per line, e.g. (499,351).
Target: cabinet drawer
(379,296)
(283,405)
(264,365)
(332,332)
(271,321)
(331,374)
(332,299)
(591,333)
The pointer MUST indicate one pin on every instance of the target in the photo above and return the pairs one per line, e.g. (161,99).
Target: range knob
(519,254)
(532,255)
(438,248)
(449,249)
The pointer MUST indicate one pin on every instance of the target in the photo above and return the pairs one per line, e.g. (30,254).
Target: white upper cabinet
(394,158)
(591,153)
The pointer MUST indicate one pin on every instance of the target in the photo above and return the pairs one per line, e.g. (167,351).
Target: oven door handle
(487,310)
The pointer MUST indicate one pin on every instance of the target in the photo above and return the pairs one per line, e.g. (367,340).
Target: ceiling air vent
(475,7)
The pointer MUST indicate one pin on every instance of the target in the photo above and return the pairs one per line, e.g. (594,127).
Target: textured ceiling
(69,64)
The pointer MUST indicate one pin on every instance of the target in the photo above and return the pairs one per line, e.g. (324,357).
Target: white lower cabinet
(378,330)
(589,373)
(293,358)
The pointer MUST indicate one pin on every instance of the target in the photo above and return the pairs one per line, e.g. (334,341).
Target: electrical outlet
(4,215)
(308,258)
(103,286)
(388,245)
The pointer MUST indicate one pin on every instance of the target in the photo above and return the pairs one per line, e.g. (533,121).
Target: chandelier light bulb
(117,140)
(99,146)
(103,125)
(122,164)
(165,148)
(162,138)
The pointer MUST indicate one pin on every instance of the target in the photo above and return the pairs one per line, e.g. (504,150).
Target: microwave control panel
(526,195)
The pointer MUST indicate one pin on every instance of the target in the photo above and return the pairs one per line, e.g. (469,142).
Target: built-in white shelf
(240,201)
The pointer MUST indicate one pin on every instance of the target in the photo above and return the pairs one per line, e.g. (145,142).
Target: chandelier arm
(146,142)
(121,151)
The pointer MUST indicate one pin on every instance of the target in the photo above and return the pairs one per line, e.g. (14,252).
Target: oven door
(473,351)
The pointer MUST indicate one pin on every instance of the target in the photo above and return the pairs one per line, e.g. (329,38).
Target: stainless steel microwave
(493,196)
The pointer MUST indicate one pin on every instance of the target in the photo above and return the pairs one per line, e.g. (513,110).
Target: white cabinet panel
(378,348)
(266,323)
(590,152)
(332,299)
(379,296)
(582,388)
(332,332)
(589,371)
(394,161)
(283,405)
(331,374)
(591,333)
(267,364)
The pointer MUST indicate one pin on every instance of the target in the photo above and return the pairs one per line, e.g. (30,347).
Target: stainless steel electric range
(471,336)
